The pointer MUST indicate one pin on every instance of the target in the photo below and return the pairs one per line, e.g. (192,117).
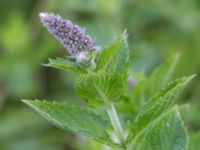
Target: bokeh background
(157,29)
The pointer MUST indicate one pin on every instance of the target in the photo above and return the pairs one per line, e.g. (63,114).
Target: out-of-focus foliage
(157,29)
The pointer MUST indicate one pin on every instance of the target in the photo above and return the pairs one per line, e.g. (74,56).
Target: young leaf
(167,134)
(114,57)
(65,64)
(157,105)
(158,79)
(74,118)
(161,75)
(102,87)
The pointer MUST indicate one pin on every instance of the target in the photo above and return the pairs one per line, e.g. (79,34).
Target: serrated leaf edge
(55,122)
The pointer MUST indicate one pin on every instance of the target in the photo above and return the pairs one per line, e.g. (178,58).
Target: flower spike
(71,36)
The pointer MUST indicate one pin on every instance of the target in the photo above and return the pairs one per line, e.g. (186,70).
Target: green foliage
(159,79)
(194,143)
(66,64)
(109,82)
(167,133)
(157,29)
(101,87)
(74,118)
(161,76)
(114,57)
(156,107)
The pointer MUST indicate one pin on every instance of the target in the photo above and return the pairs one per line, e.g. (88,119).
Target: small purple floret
(71,36)
(131,82)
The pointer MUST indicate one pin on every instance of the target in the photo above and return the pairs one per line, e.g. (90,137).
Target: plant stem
(116,123)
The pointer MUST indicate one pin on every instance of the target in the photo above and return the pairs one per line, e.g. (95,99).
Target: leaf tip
(125,34)
(30,103)
(189,78)
(25,101)
(46,65)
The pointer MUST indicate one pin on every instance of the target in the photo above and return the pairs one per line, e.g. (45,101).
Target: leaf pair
(157,126)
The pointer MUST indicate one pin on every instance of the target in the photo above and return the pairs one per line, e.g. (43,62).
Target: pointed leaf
(66,64)
(74,118)
(161,75)
(158,104)
(114,57)
(158,79)
(167,134)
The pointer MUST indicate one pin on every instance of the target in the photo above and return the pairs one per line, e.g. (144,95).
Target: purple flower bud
(131,83)
(82,57)
(96,48)
(71,36)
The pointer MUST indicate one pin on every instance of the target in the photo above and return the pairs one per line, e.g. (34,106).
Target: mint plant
(141,113)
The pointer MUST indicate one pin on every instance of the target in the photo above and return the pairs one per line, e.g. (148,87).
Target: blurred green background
(157,29)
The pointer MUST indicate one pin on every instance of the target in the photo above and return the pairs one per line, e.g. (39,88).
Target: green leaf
(110,81)
(158,105)
(194,143)
(114,57)
(102,87)
(161,75)
(74,118)
(166,134)
(158,79)
(66,64)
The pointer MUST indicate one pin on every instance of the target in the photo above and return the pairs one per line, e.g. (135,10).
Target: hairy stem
(116,123)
